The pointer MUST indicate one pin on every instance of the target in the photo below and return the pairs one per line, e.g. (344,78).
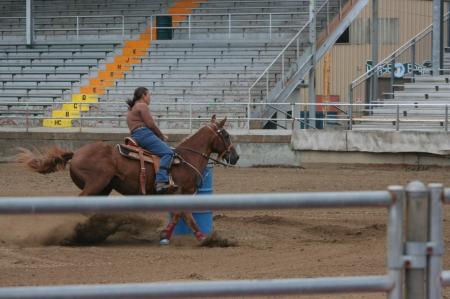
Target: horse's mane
(185,139)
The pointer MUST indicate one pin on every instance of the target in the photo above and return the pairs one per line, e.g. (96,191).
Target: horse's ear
(222,122)
(213,118)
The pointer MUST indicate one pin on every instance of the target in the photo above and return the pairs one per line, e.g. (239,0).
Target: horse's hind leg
(190,221)
(167,232)
(97,187)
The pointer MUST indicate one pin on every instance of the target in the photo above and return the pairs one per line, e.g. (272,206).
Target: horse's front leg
(190,221)
(167,232)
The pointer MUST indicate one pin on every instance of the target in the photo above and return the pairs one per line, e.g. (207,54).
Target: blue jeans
(149,141)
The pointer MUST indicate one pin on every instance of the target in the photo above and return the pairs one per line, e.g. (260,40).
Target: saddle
(131,150)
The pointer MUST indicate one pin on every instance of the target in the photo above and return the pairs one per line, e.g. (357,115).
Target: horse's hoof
(164,242)
(200,236)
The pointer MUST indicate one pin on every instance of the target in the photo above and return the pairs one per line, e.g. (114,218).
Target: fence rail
(190,115)
(27,205)
(228,23)
(417,259)
(361,284)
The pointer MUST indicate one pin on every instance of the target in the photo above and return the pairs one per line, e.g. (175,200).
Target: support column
(395,241)
(448,26)
(374,42)
(416,240)
(29,23)
(435,248)
(312,72)
(436,43)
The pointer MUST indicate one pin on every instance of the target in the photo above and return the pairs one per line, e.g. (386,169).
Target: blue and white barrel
(204,219)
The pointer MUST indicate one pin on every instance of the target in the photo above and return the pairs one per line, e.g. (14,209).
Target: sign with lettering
(400,69)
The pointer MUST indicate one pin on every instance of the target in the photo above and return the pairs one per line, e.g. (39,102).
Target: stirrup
(163,188)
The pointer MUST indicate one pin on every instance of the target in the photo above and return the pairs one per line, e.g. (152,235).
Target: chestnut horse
(98,168)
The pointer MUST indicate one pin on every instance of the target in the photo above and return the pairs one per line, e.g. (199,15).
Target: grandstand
(100,52)
(416,99)
(197,58)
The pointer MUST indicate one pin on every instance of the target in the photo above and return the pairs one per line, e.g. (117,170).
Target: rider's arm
(149,122)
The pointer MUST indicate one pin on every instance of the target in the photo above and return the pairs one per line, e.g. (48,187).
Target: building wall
(400,20)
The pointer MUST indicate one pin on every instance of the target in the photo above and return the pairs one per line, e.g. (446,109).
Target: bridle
(219,133)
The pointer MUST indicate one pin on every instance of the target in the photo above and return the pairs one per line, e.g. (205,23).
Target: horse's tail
(50,160)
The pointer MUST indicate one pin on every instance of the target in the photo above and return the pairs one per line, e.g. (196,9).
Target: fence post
(392,80)
(270,26)
(78,27)
(189,26)
(293,114)
(416,238)
(350,108)
(435,247)
(395,241)
(123,27)
(229,26)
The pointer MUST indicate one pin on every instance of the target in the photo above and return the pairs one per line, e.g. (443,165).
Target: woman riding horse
(146,133)
(98,168)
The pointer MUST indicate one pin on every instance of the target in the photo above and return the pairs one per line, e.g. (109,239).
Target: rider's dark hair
(138,94)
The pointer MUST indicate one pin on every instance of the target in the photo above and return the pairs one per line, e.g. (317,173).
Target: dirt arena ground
(269,244)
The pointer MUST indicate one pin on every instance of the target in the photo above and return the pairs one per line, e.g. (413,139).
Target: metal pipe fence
(414,263)
(293,57)
(409,61)
(231,288)
(191,115)
(324,285)
(226,23)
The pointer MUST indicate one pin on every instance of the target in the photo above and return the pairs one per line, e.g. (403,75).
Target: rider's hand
(165,137)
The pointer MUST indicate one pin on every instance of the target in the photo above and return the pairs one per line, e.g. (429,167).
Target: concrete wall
(259,148)
(275,147)
(386,147)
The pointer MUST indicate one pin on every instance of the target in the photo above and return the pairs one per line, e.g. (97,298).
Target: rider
(147,134)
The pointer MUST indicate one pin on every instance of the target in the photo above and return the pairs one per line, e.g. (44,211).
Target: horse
(98,168)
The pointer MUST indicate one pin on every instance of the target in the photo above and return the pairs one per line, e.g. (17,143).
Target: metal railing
(290,59)
(191,115)
(415,243)
(381,283)
(229,24)
(226,24)
(411,59)
(76,21)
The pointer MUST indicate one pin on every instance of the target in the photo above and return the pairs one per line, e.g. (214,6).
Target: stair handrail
(368,74)
(279,55)
(291,41)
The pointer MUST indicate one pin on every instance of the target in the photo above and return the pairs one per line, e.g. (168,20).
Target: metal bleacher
(419,105)
(217,51)
(212,60)
(73,39)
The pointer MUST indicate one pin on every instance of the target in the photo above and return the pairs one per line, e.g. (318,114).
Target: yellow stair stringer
(132,52)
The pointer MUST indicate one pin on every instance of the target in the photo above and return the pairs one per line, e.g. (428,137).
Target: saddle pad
(132,152)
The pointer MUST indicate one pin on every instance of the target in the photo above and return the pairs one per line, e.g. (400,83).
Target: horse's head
(222,144)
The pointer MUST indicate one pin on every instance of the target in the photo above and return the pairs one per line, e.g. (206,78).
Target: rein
(205,156)
(191,166)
